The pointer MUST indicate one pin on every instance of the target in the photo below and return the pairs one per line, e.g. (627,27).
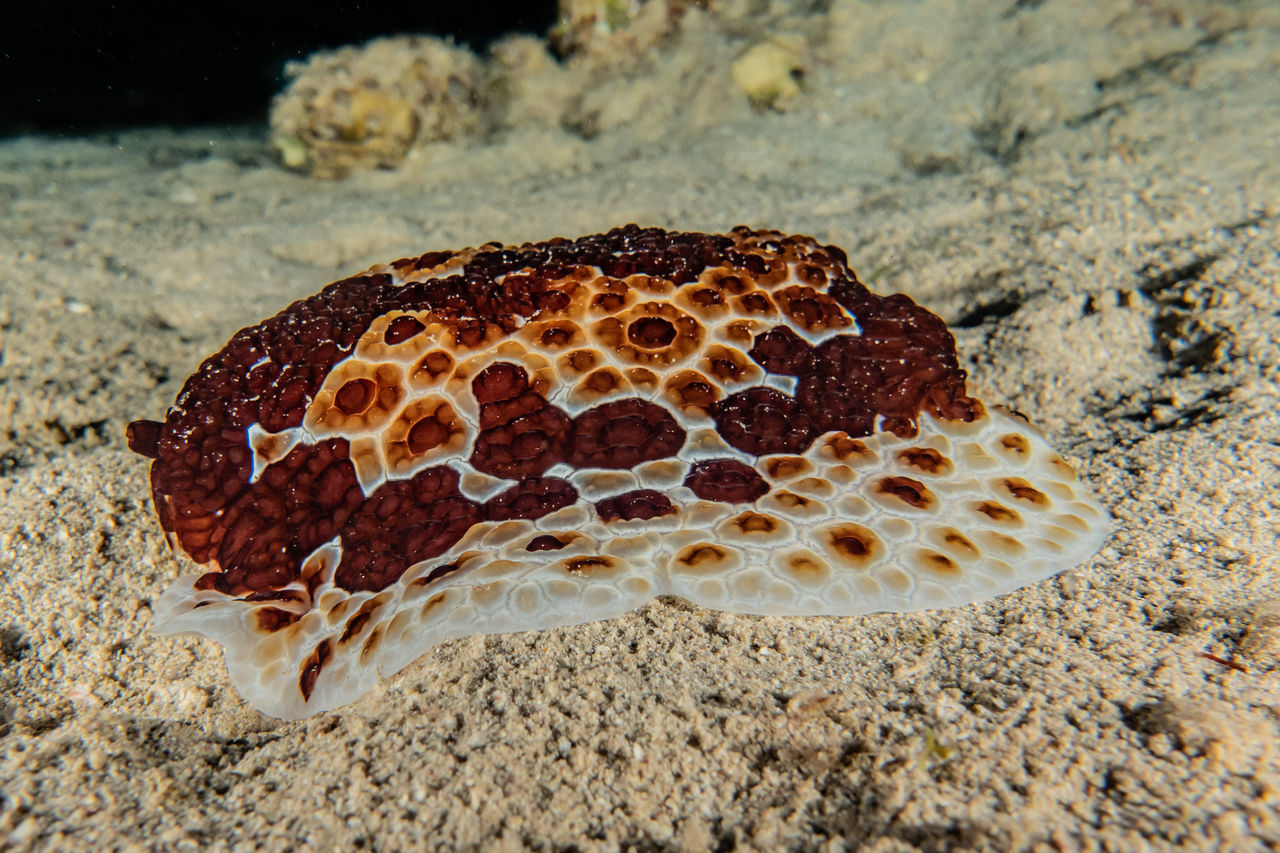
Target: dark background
(70,67)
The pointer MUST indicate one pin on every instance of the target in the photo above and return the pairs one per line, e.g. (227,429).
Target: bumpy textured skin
(515,438)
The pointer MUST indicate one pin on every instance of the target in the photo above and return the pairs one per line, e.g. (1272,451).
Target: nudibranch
(510,438)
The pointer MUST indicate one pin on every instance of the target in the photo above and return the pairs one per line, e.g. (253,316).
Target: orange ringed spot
(1015,444)
(587,566)
(910,492)
(1023,491)
(651,332)
(701,557)
(853,544)
(426,434)
(940,564)
(925,459)
(998,512)
(355,396)
(754,522)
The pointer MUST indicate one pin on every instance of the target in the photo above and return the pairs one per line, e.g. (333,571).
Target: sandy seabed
(1092,206)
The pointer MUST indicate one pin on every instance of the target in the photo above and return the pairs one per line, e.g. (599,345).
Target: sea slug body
(512,438)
